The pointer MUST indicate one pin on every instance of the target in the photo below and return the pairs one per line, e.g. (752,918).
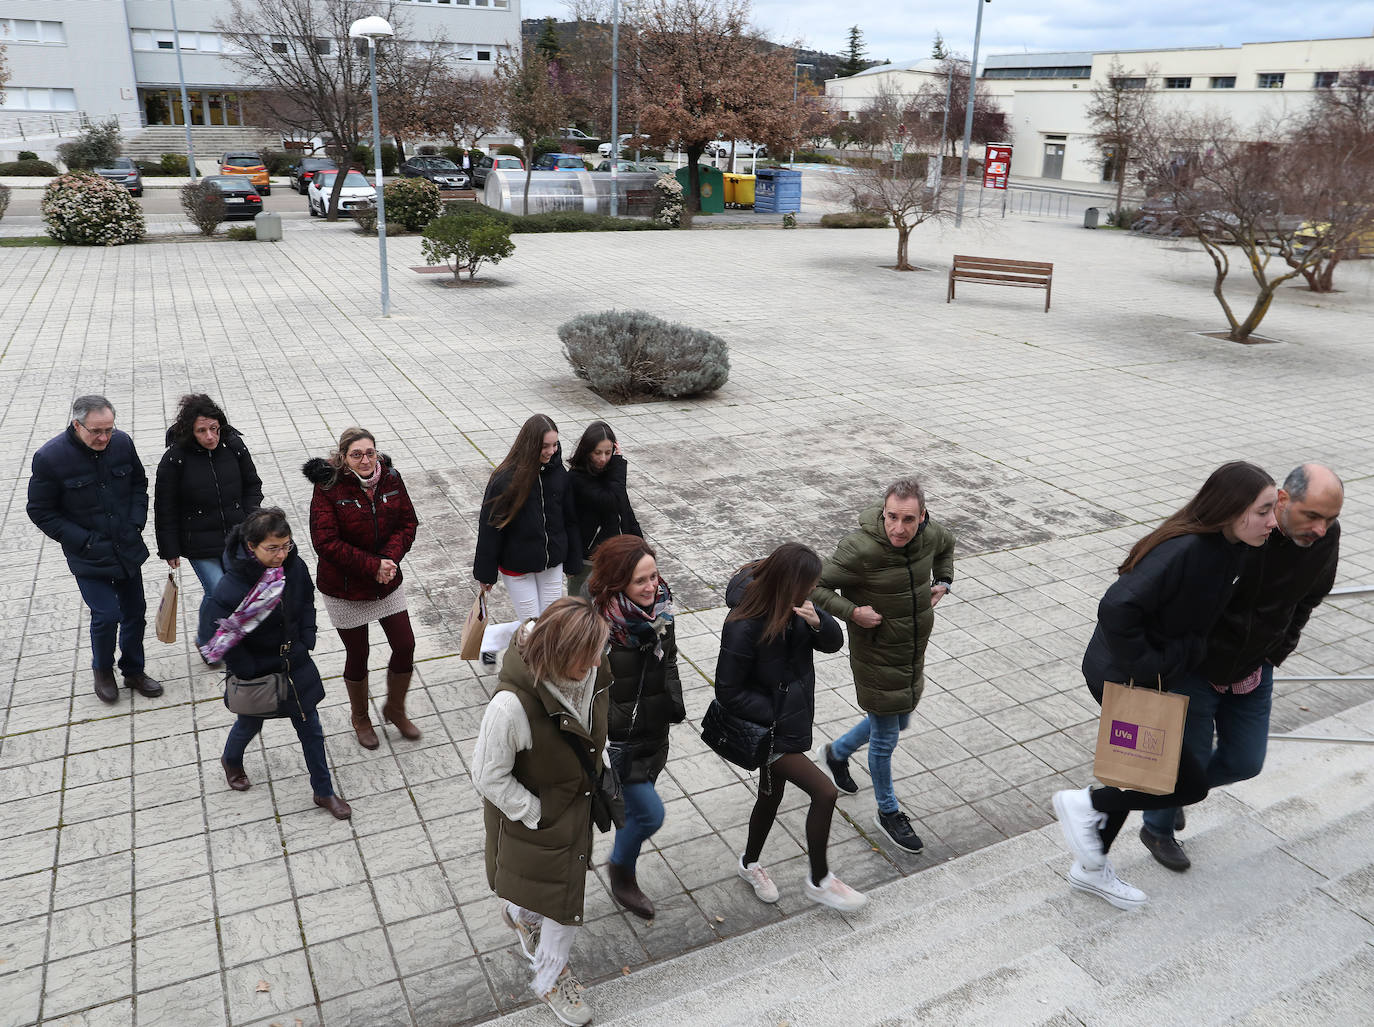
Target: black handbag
(742,742)
(608,801)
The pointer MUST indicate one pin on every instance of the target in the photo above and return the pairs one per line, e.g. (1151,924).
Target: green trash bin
(712,198)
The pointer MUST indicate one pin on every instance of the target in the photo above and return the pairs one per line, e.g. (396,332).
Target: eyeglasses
(278,550)
(359,454)
(100,433)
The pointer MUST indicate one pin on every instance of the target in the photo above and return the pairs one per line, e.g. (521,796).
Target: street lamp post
(185,102)
(372,29)
(968,115)
(615,107)
(796,66)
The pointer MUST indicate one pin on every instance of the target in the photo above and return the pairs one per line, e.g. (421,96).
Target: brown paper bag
(1139,737)
(167,612)
(473,630)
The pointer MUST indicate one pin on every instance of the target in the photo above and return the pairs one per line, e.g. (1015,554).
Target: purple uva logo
(1139,737)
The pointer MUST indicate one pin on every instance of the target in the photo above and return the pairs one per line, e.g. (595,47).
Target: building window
(484,55)
(1270,80)
(1325,79)
(279,45)
(324,46)
(26,30)
(1129,83)
(1223,82)
(39,99)
(164,44)
(1178,83)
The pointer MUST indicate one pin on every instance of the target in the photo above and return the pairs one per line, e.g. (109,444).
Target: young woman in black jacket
(598,473)
(206,484)
(261,620)
(766,674)
(527,529)
(646,697)
(1152,626)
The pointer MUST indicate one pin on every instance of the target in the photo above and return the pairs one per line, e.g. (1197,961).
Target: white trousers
(531,595)
(555,945)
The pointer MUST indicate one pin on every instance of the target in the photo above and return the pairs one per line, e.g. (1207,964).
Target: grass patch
(29,240)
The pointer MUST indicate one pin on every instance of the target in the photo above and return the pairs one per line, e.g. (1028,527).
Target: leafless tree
(532,106)
(4,71)
(1119,110)
(466,106)
(927,109)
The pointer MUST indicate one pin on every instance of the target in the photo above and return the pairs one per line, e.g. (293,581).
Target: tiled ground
(136,888)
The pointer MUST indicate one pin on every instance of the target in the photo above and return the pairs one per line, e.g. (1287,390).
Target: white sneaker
(835,893)
(758,877)
(1079,822)
(1106,885)
(529,936)
(565,999)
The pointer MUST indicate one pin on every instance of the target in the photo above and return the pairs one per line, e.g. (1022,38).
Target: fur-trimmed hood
(318,471)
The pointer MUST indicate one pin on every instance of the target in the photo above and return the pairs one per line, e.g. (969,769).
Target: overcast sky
(902,31)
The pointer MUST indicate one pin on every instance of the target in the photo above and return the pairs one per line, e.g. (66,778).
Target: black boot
(625,890)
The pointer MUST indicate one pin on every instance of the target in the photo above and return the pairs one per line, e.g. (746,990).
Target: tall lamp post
(615,107)
(185,101)
(796,67)
(968,115)
(373,29)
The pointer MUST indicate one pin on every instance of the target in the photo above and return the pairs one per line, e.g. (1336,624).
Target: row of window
(1065,72)
(27,98)
(25,30)
(211,42)
(1264,80)
(499,4)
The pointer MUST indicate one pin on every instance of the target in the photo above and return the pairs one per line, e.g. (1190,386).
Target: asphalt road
(163,202)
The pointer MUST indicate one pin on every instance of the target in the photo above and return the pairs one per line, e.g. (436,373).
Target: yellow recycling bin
(739,190)
(727,193)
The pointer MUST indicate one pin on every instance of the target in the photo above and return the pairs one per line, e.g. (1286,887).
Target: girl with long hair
(1152,627)
(766,674)
(646,696)
(598,470)
(527,529)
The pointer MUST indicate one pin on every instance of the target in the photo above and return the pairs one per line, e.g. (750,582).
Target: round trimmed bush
(412,202)
(88,210)
(4,200)
(28,168)
(629,353)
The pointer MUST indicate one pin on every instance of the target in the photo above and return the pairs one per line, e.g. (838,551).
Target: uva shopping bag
(167,612)
(470,644)
(1139,737)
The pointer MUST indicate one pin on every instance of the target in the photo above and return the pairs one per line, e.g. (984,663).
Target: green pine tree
(547,43)
(937,49)
(854,54)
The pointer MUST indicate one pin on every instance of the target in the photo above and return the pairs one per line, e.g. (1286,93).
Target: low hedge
(28,168)
(855,219)
(560,221)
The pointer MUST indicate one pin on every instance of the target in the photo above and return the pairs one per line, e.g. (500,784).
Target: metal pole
(615,107)
(968,115)
(185,102)
(381,197)
(796,68)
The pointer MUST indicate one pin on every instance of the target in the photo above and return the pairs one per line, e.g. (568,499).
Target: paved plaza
(136,888)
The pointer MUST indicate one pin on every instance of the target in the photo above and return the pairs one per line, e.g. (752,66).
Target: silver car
(124,171)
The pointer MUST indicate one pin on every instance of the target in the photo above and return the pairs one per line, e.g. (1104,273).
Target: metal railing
(1347,590)
(56,124)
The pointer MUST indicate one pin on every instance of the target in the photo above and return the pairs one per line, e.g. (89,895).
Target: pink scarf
(261,600)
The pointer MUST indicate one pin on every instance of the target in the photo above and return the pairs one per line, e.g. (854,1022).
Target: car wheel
(310,205)
(266,190)
(137,192)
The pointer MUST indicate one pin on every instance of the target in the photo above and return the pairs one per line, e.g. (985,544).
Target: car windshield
(353,180)
(122,162)
(241,160)
(230,182)
(507,162)
(438,164)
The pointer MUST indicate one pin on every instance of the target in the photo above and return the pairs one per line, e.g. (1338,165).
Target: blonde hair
(569,634)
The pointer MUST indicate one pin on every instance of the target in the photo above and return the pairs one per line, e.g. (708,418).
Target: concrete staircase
(210,141)
(1273,925)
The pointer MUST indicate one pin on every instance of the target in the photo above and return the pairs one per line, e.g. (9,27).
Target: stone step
(1339,995)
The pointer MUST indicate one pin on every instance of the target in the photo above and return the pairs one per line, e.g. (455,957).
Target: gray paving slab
(1047,441)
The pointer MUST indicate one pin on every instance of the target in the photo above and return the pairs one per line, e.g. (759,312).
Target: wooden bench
(1023,274)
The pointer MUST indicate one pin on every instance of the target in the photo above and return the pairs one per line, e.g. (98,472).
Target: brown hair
(336,459)
(614,567)
(781,581)
(522,462)
(568,633)
(596,433)
(1225,495)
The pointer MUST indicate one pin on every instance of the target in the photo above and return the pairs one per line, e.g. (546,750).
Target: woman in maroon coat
(362,524)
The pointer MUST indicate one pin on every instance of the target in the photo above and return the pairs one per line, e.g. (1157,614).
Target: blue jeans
(118,607)
(309,731)
(643,816)
(209,571)
(1242,736)
(880,733)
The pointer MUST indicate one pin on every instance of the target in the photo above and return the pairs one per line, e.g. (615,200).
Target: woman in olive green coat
(884,580)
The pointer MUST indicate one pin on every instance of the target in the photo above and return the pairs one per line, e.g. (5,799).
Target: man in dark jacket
(1280,584)
(89,492)
(885,580)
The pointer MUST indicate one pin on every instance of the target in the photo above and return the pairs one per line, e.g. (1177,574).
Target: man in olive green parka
(884,581)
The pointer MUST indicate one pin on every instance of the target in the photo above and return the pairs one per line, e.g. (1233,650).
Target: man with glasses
(89,492)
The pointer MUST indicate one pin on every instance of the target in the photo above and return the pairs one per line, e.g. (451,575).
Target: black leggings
(1190,787)
(797,768)
(398,635)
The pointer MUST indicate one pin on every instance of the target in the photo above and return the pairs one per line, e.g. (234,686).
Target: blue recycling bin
(777,191)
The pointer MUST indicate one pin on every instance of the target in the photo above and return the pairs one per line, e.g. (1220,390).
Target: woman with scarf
(538,749)
(362,524)
(260,620)
(646,696)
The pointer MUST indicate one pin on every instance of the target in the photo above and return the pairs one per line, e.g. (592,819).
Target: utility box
(268,226)
(778,191)
(712,186)
(1090,217)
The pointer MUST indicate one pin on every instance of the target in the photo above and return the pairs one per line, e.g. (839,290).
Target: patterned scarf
(261,600)
(633,627)
(370,482)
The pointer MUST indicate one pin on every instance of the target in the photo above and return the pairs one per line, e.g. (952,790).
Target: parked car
(241,199)
(500,162)
(302,173)
(357,192)
(573,133)
(250,166)
(439,170)
(625,165)
(605,148)
(743,148)
(124,171)
(560,162)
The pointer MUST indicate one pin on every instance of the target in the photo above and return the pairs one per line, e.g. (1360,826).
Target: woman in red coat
(362,524)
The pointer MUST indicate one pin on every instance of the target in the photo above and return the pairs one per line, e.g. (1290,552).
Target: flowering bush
(4,199)
(668,201)
(90,211)
(412,202)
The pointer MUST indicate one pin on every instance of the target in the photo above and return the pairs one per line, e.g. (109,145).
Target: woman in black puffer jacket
(766,674)
(646,696)
(206,484)
(598,472)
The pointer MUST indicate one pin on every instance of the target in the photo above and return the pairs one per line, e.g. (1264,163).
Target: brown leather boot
(394,709)
(235,776)
(338,809)
(362,718)
(625,890)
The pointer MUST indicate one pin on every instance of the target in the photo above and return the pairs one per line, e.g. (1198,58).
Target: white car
(357,192)
(605,148)
(743,148)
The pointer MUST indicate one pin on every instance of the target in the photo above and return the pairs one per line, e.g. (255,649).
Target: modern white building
(1046,95)
(852,94)
(96,59)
